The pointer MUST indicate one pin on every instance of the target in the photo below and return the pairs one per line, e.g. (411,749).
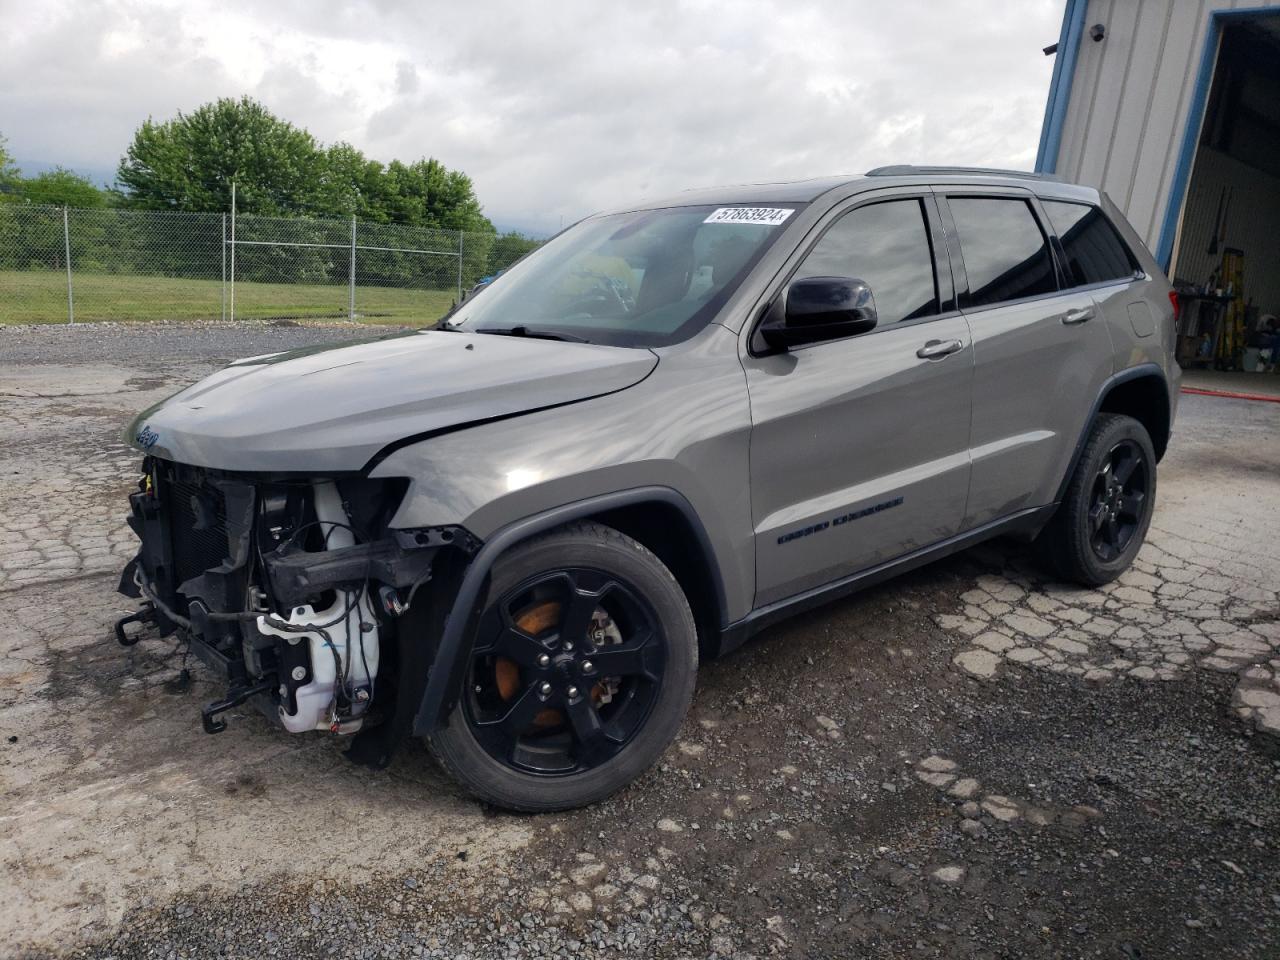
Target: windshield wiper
(532,333)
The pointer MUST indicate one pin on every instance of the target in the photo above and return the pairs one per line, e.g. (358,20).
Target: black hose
(163,607)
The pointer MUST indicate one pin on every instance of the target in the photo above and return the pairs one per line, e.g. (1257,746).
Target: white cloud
(555,109)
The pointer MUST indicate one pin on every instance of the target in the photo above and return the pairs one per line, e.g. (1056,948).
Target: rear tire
(1103,518)
(583,669)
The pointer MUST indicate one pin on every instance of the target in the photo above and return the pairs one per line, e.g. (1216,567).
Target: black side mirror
(819,308)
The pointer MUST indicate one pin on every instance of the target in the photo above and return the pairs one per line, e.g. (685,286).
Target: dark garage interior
(1227,260)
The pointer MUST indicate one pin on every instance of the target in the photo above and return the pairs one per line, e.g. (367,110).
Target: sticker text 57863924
(764,216)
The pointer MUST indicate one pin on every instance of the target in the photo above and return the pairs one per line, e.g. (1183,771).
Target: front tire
(1103,518)
(582,670)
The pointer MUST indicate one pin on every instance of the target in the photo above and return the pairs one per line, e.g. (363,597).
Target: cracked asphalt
(971,761)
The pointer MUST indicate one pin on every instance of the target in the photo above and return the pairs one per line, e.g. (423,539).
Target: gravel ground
(966,762)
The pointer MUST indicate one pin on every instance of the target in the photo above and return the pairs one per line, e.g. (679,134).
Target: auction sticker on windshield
(765,216)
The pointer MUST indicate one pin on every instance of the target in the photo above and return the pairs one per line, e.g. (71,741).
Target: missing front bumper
(243,570)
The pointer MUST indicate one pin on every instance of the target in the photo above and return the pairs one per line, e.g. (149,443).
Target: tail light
(1177,306)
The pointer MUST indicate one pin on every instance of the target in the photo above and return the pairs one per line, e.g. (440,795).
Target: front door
(859,447)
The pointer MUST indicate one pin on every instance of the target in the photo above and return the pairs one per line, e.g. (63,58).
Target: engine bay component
(341,640)
(233,699)
(287,588)
(334,689)
(296,574)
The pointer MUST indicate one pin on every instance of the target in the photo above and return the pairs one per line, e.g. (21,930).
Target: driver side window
(886,245)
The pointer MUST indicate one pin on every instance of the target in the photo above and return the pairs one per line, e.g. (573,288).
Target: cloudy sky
(555,108)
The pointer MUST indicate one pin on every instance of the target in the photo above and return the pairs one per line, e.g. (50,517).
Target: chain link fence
(59,264)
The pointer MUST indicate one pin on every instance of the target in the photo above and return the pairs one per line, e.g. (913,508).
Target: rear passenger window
(1005,252)
(1095,252)
(887,246)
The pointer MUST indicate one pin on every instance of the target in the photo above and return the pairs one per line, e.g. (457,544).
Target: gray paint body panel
(686,427)
(1030,368)
(843,428)
(792,191)
(1131,350)
(333,409)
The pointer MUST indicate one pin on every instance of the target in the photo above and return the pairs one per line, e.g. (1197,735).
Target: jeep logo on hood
(146,438)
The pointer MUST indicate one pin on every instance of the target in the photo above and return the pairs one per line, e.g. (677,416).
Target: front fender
(679,438)
(453,650)
(685,428)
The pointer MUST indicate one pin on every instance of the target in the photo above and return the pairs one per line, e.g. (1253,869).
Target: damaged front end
(294,590)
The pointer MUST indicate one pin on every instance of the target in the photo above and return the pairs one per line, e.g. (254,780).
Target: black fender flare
(453,650)
(1124,376)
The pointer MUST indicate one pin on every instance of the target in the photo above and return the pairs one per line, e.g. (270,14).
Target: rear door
(1096,259)
(1041,349)
(859,447)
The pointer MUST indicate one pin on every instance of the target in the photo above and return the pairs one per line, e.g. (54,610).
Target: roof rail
(909,170)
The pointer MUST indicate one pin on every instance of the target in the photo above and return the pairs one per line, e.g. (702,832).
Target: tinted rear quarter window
(1006,255)
(886,245)
(1095,252)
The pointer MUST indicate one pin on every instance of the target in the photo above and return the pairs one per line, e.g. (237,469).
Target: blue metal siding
(1064,69)
(1133,124)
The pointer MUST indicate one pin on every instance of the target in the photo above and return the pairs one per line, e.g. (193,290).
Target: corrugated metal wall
(1252,224)
(1130,98)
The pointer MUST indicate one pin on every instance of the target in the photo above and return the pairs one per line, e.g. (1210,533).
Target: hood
(334,408)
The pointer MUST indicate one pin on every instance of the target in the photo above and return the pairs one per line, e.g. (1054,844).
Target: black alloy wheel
(581,670)
(1118,505)
(1106,507)
(565,671)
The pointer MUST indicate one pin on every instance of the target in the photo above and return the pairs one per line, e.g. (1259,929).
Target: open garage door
(1227,258)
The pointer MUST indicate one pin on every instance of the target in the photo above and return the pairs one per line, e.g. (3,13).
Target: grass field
(41,297)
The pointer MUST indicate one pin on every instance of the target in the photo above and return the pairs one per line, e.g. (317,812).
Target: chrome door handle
(936,349)
(1079,315)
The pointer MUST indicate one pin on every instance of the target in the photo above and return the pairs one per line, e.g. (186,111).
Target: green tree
(62,188)
(510,247)
(189,162)
(427,192)
(9,176)
(353,185)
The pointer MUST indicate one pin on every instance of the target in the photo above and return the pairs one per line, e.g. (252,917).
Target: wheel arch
(1145,398)
(659,517)
(1141,392)
(676,537)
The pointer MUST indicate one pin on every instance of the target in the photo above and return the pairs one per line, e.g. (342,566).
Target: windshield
(646,278)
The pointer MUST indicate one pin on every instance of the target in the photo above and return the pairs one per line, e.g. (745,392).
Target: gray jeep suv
(516,534)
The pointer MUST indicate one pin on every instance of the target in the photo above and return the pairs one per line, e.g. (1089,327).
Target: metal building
(1173,108)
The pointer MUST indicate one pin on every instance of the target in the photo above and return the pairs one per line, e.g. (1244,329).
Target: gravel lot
(967,762)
